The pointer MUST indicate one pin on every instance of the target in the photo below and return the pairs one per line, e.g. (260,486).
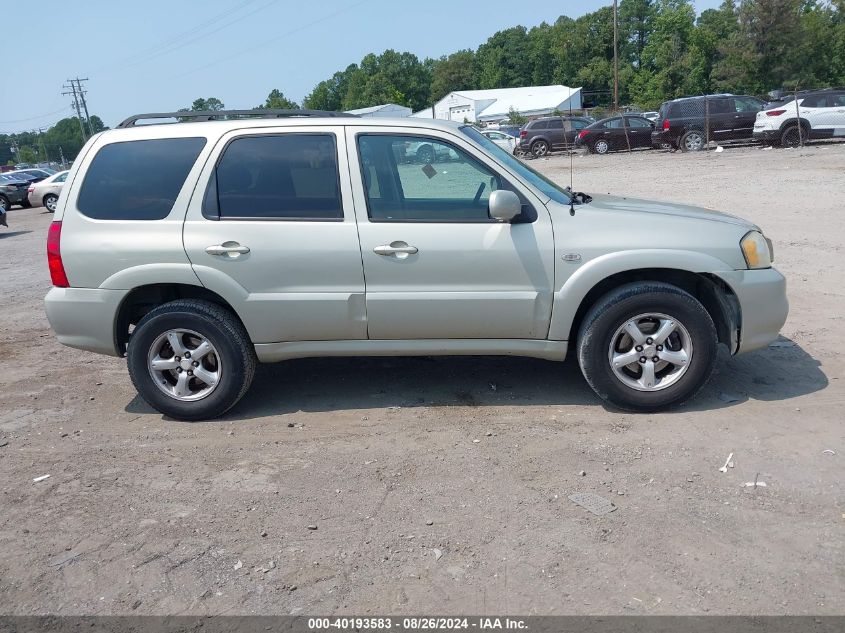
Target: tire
(5,205)
(793,136)
(692,141)
(425,154)
(601,146)
(50,201)
(232,359)
(694,335)
(25,203)
(539,149)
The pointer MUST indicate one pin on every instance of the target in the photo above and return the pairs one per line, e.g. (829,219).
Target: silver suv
(198,248)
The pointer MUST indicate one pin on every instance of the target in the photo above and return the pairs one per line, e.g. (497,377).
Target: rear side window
(137,180)
(539,125)
(285,176)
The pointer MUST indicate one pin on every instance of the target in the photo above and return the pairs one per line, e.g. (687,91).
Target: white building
(494,105)
(385,109)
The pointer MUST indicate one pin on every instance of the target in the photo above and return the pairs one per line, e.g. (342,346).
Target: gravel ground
(441,484)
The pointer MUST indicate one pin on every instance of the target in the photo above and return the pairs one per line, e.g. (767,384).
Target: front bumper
(763,305)
(84,318)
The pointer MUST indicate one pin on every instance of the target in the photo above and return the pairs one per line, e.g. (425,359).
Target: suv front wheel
(647,346)
(191,359)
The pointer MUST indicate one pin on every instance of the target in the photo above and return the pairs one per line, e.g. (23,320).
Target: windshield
(534,178)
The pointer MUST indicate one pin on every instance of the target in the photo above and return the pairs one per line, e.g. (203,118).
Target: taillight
(30,190)
(666,125)
(582,133)
(523,133)
(54,256)
(775,112)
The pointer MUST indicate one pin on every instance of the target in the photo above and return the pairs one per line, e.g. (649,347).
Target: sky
(159,55)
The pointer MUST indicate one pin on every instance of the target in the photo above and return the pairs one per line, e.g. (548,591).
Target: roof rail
(214,115)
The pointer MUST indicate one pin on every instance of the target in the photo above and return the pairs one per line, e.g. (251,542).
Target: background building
(385,109)
(494,105)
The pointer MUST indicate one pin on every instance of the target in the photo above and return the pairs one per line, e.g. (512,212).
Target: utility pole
(43,146)
(615,57)
(72,88)
(82,94)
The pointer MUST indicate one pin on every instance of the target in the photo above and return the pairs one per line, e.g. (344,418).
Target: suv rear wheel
(191,359)
(647,346)
(50,201)
(539,148)
(692,141)
(794,136)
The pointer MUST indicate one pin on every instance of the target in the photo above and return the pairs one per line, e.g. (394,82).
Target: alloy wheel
(184,365)
(650,352)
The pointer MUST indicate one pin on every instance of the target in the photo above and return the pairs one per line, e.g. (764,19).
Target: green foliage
(516,118)
(201,105)
(277,100)
(451,73)
(63,139)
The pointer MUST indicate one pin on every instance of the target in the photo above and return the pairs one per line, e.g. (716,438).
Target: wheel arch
(143,299)
(578,295)
(790,122)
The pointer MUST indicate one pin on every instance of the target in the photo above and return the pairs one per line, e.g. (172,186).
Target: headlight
(755,249)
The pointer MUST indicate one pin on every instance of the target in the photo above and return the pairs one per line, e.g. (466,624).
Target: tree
(636,22)
(201,105)
(503,61)
(451,73)
(516,118)
(276,100)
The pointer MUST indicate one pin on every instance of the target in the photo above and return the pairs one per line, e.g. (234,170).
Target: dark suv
(541,136)
(688,123)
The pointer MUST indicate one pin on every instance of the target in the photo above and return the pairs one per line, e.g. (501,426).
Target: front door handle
(400,249)
(230,249)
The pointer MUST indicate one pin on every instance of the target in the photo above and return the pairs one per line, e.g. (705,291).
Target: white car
(46,193)
(505,141)
(819,114)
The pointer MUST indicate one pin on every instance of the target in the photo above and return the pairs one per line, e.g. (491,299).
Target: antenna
(571,163)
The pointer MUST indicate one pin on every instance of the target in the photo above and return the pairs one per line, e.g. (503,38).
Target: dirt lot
(441,485)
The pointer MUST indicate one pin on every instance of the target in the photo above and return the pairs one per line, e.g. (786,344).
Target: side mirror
(504,205)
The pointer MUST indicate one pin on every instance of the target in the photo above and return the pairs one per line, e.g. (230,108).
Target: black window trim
(522,218)
(211,201)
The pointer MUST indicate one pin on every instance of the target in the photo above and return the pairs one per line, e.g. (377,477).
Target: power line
(184,43)
(33,118)
(274,38)
(176,37)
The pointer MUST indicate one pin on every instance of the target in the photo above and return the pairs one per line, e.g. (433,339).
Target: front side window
(421,179)
(137,180)
(544,185)
(283,176)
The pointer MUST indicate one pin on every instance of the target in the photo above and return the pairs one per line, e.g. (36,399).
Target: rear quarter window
(137,180)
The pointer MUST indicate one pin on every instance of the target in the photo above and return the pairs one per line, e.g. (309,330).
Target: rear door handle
(401,249)
(232,249)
